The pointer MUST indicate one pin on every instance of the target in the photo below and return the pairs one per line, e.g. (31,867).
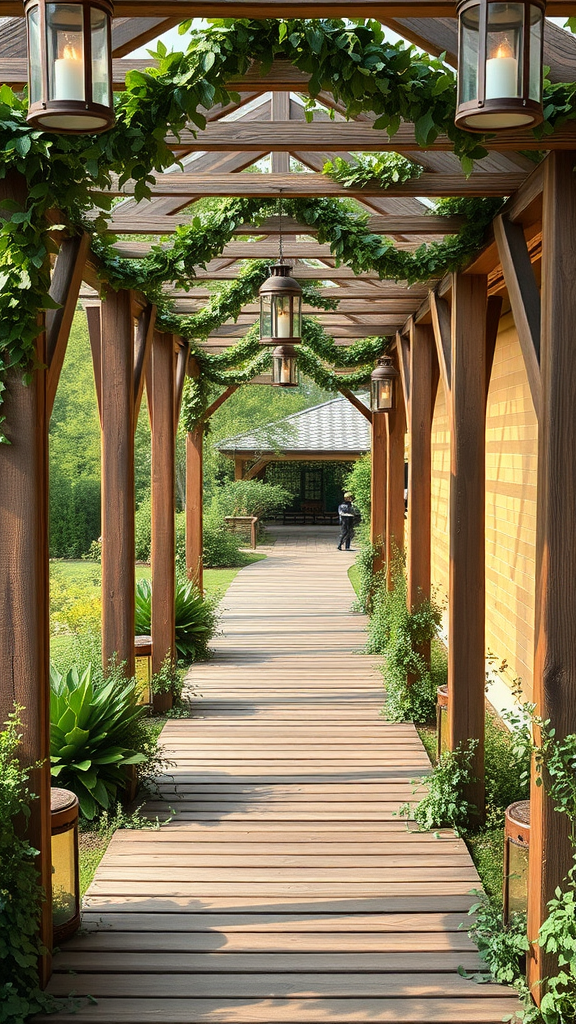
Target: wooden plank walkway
(283,888)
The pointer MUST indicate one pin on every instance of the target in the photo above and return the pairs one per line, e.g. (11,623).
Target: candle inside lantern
(69,75)
(282,323)
(502,73)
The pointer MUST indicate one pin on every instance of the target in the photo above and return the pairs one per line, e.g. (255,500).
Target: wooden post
(423,383)
(378,498)
(466,641)
(117,412)
(160,390)
(555,640)
(238,469)
(395,443)
(194,440)
(24,597)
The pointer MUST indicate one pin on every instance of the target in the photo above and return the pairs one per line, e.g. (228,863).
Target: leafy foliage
(20,891)
(445,804)
(369,168)
(88,728)
(195,618)
(252,498)
(220,547)
(502,949)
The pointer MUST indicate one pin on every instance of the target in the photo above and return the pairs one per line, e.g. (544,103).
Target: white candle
(501,77)
(69,76)
(282,323)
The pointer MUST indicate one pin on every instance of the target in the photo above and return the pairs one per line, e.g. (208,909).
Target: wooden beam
(64,289)
(117,409)
(180,10)
(395,438)
(555,637)
(423,386)
(313,185)
(384,326)
(524,298)
(24,592)
(493,314)
(359,405)
(403,349)
(466,643)
(93,316)
(441,322)
(238,469)
(148,224)
(378,490)
(180,373)
(256,468)
(218,402)
(142,348)
(283,136)
(160,391)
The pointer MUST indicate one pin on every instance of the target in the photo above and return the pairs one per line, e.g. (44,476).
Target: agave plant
(88,726)
(195,619)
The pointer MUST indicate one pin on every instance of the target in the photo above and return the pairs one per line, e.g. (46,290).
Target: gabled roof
(334,426)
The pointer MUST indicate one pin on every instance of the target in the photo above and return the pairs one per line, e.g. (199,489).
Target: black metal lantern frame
(70,66)
(284,367)
(500,48)
(280,308)
(383,386)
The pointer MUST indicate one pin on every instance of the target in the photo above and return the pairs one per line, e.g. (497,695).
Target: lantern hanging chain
(280,240)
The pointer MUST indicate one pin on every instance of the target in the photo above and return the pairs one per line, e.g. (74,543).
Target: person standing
(347,515)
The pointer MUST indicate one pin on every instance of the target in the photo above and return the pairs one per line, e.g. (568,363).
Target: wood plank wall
(511,456)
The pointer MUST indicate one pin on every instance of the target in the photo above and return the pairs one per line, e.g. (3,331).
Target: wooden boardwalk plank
(283,888)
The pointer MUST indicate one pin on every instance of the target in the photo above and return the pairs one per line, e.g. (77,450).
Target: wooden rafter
(182,356)
(64,289)
(296,186)
(147,224)
(180,10)
(142,346)
(218,402)
(356,403)
(440,311)
(524,298)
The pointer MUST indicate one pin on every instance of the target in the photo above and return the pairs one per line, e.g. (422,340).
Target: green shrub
(74,515)
(399,636)
(252,498)
(444,805)
(143,529)
(89,725)
(359,483)
(507,764)
(20,891)
(220,548)
(195,617)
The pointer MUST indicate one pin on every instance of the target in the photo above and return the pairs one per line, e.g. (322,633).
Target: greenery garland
(383,169)
(364,72)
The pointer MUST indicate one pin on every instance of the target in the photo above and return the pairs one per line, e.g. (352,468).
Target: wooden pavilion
(445,335)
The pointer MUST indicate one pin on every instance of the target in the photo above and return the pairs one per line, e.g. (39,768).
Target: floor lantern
(383,386)
(65,870)
(499,64)
(143,668)
(70,66)
(516,848)
(442,744)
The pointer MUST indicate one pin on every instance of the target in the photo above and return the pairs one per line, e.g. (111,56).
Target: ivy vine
(70,174)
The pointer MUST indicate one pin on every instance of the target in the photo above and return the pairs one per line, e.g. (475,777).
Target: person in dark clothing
(348,516)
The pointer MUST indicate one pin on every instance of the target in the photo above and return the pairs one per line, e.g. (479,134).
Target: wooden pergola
(446,330)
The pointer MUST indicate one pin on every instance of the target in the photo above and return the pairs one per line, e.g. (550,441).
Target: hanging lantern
(284,369)
(382,385)
(499,64)
(280,307)
(65,870)
(441,721)
(516,848)
(70,66)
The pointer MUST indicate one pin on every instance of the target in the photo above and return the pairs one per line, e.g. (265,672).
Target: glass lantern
(65,872)
(143,668)
(280,307)
(284,368)
(442,744)
(516,849)
(499,65)
(70,66)
(383,386)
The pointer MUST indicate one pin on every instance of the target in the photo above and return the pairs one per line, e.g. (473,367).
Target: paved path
(283,889)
